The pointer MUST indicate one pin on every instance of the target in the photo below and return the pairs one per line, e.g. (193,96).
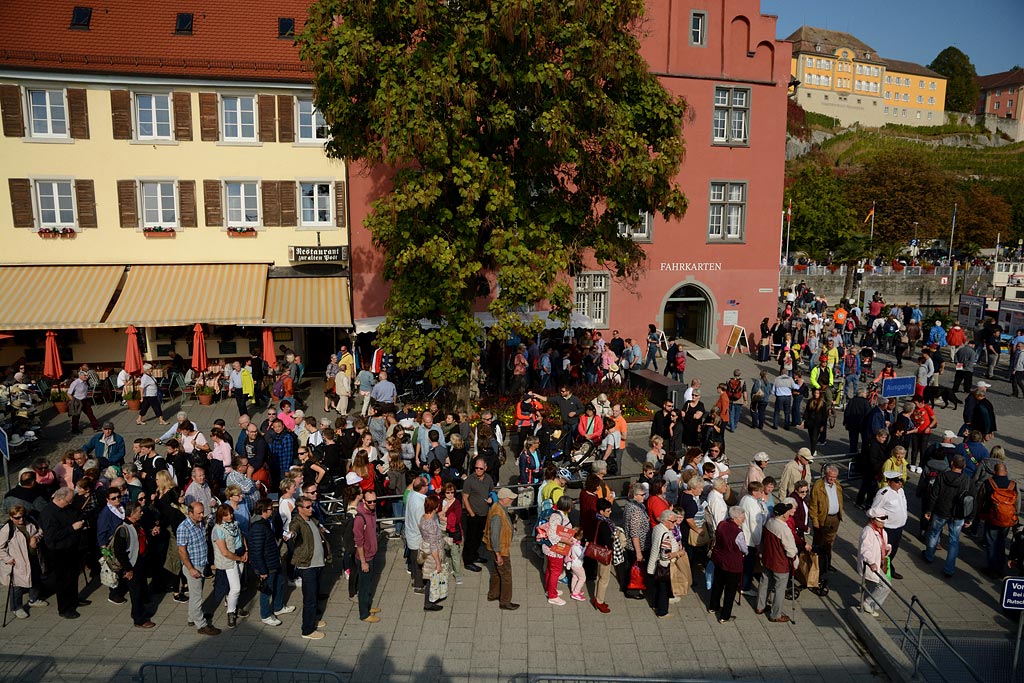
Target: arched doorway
(689,313)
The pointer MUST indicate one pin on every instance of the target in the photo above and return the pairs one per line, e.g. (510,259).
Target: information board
(1011,316)
(737,338)
(970,311)
(895,387)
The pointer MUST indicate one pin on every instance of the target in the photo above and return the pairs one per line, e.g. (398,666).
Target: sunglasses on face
(306,507)
(479,469)
(17,516)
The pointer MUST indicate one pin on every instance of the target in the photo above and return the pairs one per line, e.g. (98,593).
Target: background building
(161,168)
(1001,94)
(718,265)
(843,77)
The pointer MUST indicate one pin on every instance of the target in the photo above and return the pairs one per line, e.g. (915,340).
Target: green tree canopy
(521,135)
(961,88)
(822,219)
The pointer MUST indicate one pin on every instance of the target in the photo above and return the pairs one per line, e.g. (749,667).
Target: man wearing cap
(892,501)
(872,560)
(498,539)
(755,471)
(778,557)
(797,469)
(79,390)
(107,445)
(826,514)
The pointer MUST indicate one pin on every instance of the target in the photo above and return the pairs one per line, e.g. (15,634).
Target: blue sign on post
(894,387)
(1013,593)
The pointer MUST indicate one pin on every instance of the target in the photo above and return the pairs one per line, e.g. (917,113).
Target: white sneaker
(38,603)
(674,599)
(21,614)
(556,601)
(271,621)
(287,609)
(458,581)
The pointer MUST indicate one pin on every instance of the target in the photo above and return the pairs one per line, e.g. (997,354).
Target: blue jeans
(995,551)
(734,415)
(934,531)
(275,601)
(652,357)
(310,588)
(850,386)
(398,510)
(785,404)
(797,415)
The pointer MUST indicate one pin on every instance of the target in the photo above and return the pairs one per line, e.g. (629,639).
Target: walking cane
(7,602)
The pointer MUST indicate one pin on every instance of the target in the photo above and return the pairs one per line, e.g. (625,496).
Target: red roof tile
(231,39)
(1001,80)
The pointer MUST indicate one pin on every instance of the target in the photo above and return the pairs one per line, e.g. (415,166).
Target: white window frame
(729,109)
(239,220)
(314,114)
(161,188)
(721,200)
(53,185)
(931,85)
(885,111)
(929,116)
(317,224)
(699,24)
(225,101)
(642,230)
(137,111)
(51,94)
(593,295)
(995,106)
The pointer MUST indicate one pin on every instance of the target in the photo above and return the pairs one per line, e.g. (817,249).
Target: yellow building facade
(842,77)
(164,202)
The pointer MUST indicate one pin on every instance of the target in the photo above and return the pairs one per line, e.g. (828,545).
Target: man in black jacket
(62,530)
(853,418)
(129,550)
(873,455)
(266,562)
(951,502)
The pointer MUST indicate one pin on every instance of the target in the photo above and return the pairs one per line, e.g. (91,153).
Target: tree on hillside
(906,187)
(981,216)
(521,136)
(961,88)
(822,219)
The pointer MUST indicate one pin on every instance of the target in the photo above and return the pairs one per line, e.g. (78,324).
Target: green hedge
(822,121)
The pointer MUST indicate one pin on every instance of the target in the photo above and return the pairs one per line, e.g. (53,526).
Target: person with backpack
(736,390)
(20,569)
(998,507)
(951,503)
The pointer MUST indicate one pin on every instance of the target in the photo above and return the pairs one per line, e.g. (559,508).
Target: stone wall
(925,290)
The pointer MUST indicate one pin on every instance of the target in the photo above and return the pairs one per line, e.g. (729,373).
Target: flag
(870,214)
(789,211)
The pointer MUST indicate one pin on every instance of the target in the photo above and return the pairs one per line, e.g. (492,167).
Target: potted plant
(59,398)
(132,397)
(205,394)
(158,231)
(241,231)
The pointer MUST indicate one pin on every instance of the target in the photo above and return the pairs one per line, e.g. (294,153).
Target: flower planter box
(205,399)
(800,269)
(160,233)
(61,406)
(251,233)
(48,235)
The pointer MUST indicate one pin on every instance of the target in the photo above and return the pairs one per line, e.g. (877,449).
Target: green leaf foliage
(822,219)
(521,133)
(961,86)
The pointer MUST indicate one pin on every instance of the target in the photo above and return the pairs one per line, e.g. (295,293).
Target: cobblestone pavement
(471,640)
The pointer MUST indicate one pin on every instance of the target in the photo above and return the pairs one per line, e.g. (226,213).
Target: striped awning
(308,302)
(56,297)
(226,294)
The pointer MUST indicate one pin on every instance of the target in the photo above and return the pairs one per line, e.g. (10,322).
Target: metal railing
(918,625)
(174,672)
(906,271)
(573,678)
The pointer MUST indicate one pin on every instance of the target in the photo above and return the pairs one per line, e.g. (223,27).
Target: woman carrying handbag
(600,550)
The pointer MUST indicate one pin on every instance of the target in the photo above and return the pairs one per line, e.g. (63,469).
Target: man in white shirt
(756,513)
(79,390)
(694,386)
(892,502)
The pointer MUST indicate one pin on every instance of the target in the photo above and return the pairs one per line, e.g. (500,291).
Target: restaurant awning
(225,294)
(56,297)
(308,302)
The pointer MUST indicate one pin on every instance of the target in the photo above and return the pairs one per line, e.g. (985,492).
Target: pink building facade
(719,265)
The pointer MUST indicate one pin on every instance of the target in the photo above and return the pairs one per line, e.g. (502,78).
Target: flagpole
(951,231)
(871,239)
(789,227)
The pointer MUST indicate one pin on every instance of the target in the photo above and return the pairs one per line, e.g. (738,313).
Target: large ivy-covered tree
(520,133)
(961,86)
(822,218)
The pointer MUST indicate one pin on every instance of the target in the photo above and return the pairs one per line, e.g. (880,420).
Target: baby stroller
(571,449)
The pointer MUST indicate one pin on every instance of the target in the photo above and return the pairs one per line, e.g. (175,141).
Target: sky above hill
(988,31)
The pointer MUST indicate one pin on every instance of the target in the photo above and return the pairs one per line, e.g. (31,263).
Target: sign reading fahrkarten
(683,266)
(337,254)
